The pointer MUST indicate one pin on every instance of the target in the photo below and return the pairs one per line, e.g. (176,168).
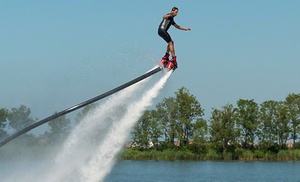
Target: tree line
(248,125)
(177,123)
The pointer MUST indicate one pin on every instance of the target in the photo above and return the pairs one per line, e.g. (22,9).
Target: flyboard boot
(164,60)
(172,64)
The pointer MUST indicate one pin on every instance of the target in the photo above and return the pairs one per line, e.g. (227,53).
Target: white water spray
(90,151)
(103,160)
(84,128)
(88,134)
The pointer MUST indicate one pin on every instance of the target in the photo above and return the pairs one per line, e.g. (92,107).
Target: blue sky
(55,54)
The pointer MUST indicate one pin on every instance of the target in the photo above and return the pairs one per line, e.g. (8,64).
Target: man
(165,24)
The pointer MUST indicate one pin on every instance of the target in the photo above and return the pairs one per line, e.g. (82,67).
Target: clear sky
(55,54)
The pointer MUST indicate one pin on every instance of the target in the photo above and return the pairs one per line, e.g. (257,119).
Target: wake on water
(91,149)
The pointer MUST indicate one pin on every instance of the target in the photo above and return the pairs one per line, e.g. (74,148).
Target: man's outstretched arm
(181,28)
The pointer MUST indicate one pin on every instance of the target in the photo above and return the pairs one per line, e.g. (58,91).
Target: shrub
(283,155)
(213,155)
(270,156)
(247,155)
(227,156)
(258,154)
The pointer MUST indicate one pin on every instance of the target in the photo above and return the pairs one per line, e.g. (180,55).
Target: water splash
(90,151)
(103,160)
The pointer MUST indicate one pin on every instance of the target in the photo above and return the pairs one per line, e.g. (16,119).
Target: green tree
(199,135)
(293,103)
(274,128)
(247,121)
(223,131)
(19,118)
(155,128)
(167,111)
(282,128)
(267,129)
(59,129)
(3,122)
(178,116)
(189,111)
(147,130)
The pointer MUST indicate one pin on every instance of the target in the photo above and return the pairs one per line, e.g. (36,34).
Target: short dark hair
(174,8)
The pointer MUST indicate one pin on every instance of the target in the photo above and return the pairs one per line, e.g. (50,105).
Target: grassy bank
(168,154)
(130,154)
(48,152)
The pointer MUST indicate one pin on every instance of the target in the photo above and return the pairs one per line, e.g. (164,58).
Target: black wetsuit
(164,27)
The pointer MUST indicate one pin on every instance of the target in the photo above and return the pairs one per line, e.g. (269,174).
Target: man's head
(174,11)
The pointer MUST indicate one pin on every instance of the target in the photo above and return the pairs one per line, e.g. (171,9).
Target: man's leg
(170,48)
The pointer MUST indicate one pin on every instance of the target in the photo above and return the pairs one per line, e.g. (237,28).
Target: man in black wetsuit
(165,24)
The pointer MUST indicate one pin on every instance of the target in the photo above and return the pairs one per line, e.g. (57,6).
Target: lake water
(169,171)
(204,171)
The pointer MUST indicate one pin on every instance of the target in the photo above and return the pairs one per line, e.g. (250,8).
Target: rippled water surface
(204,171)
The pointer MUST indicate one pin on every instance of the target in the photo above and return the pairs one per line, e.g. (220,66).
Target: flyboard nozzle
(170,65)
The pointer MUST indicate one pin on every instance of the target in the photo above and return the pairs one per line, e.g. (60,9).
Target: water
(161,171)
(165,171)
